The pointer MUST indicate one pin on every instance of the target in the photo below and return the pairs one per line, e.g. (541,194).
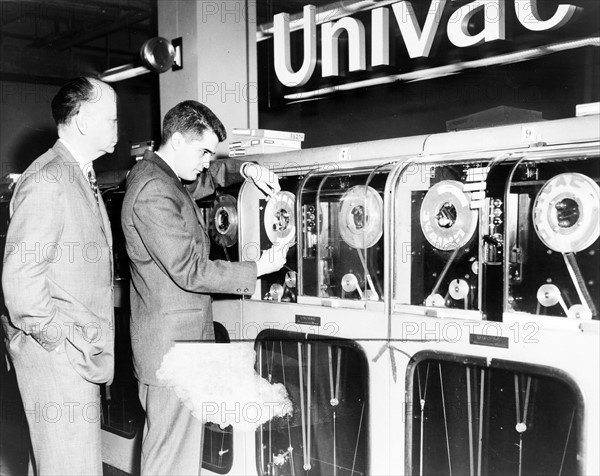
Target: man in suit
(57,282)
(172,276)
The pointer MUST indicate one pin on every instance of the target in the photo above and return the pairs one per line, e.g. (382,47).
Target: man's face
(194,153)
(101,114)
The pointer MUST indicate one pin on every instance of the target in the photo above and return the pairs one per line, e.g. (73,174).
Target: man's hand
(271,260)
(11,180)
(265,180)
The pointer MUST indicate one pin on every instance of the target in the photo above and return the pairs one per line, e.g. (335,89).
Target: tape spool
(458,289)
(280,218)
(223,221)
(548,295)
(435,300)
(361,217)
(447,220)
(566,213)
(579,311)
(349,283)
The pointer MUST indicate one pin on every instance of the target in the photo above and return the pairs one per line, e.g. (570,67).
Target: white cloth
(218,383)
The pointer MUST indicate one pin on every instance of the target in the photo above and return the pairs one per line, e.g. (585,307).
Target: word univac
(418,41)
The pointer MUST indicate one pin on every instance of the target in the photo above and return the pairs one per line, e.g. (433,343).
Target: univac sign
(417,40)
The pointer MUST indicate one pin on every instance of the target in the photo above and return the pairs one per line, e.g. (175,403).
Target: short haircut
(71,96)
(191,118)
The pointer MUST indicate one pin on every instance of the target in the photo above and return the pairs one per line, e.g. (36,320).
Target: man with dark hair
(57,282)
(189,117)
(172,276)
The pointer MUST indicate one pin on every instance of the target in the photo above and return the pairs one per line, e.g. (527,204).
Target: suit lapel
(75,176)
(196,209)
(156,159)
(107,230)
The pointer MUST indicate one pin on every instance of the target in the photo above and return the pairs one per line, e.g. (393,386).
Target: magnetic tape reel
(566,213)
(447,220)
(223,221)
(280,218)
(361,217)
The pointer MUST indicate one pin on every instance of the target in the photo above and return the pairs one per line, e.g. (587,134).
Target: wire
(470,420)
(445,420)
(334,392)
(521,425)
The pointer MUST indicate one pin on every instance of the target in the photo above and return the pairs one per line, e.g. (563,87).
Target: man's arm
(225,172)
(222,173)
(31,244)
(158,220)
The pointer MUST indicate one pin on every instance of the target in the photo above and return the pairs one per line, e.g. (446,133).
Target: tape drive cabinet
(438,312)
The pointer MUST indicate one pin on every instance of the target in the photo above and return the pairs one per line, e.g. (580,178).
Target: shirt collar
(170,166)
(85,166)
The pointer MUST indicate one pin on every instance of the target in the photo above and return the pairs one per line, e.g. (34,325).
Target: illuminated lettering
(494,13)
(527,13)
(380,36)
(283,61)
(330,33)
(418,41)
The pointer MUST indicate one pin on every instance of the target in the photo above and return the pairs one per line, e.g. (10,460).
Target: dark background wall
(552,86)
(27,129)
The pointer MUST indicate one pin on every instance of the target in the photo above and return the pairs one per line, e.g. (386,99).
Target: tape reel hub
(291,279)
(223,221)
(446,217)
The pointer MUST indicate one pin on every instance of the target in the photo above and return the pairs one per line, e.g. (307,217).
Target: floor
(14,436)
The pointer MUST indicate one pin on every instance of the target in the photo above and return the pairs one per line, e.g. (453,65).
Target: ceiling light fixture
(157,55)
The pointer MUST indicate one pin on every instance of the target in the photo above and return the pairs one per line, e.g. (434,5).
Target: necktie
(93,184)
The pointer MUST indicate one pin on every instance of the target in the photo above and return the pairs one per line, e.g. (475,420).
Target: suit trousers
(173,437)
(62,409)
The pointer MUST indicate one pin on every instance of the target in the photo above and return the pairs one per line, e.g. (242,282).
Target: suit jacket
(57,273)
(171,274)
